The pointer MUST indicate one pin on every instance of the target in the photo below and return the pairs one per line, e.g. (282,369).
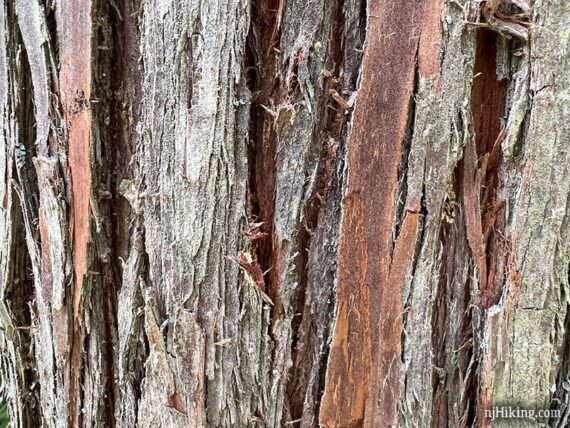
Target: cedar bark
(338,213)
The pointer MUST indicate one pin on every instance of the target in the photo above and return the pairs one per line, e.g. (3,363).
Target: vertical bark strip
(481,164)
(535,289)
(75,91)
(189,186)
(75,53)
(298,131)
(365,350)
(17,357)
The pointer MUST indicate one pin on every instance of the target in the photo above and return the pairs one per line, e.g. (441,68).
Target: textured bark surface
(284,213)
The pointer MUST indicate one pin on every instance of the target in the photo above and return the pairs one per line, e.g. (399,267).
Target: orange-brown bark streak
(362,376)
(484,208)
(484,211)
(75,45)
(76,88)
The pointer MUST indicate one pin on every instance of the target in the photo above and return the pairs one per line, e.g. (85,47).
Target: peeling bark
(284,213)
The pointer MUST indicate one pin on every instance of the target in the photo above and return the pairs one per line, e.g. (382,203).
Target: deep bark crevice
(453,389)
(262,73)
(333,119)
(125,231)
(403,167)
(439,413)
(481,175)
(20,302)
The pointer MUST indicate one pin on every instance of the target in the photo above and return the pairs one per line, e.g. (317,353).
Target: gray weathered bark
(284,213)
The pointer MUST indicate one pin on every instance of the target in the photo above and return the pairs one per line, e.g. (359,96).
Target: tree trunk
(284,213)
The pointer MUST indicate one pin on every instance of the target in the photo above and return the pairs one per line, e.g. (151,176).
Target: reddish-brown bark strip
(488,93)
(430,40)
(348,374)
(366,342)
(471,186)
(76,93)
(75,47)
(483,210)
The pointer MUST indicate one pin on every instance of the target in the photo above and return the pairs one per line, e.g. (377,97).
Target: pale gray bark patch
(53,215)
(33,31)
(159,389)
(192,167)
(529,368)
